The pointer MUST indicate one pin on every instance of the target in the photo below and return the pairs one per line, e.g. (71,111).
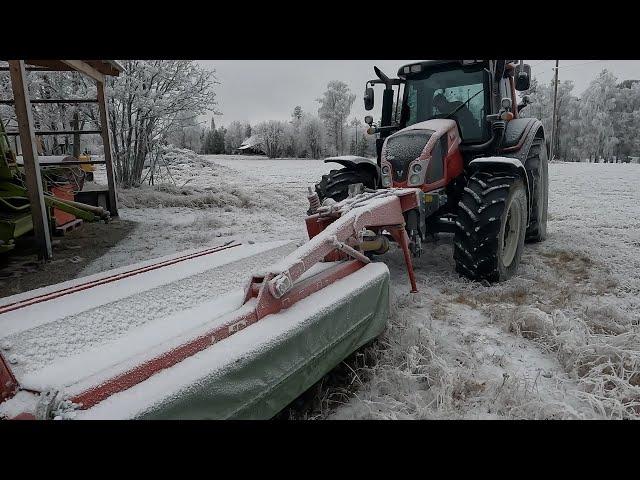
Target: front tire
(492,223)
(336,183)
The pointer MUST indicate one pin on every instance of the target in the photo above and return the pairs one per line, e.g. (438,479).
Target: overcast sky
(256,90)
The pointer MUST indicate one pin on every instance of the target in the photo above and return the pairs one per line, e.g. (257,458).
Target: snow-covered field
(560,340)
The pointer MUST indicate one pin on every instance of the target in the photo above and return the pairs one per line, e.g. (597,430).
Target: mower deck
(128,343)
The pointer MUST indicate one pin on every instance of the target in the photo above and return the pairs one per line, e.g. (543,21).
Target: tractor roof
(418,67)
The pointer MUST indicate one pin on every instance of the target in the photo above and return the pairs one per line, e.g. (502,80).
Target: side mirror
(368,120)
(368,98)
(523,77)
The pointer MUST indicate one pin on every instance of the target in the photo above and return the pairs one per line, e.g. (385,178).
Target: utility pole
(553,121)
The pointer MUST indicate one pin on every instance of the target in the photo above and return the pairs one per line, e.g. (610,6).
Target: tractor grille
(403,148)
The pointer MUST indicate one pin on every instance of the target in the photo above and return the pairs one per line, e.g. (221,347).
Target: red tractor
(456,135)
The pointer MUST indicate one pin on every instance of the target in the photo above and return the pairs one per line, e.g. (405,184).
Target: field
(559,340)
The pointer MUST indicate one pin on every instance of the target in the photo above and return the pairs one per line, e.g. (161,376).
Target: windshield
(436,94)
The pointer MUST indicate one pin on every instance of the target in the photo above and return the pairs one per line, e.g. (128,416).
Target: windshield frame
(474,68)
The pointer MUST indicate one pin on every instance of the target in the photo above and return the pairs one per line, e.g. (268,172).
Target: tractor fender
(512,165)
(518,137)
(355,162)
(516,132)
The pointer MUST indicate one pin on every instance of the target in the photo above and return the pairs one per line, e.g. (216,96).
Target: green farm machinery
(15,209)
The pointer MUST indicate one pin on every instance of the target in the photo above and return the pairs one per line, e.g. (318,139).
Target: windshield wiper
(463,104)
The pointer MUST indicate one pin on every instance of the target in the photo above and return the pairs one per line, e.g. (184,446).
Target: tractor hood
(405,149)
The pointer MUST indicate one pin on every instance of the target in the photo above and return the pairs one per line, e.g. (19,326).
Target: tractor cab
(473,93)
(449,90)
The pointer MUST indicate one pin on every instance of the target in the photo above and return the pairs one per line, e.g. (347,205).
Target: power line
(540,63)
(584,63)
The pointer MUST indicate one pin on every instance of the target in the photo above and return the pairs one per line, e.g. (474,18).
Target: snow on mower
(240,331)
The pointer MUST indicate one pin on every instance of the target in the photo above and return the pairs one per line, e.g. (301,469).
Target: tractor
(456,135)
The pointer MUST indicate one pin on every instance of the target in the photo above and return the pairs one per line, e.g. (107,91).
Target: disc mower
(240,331)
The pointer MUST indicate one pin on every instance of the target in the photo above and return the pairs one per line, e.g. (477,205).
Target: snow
(97,319)
(559,340)
(207,364)
(275,191)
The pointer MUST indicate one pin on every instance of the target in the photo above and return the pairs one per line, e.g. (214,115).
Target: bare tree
(147,102)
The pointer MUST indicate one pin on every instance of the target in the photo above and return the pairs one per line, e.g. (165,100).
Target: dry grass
(168,195)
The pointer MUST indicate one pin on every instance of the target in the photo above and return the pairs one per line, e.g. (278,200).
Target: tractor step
(62,230)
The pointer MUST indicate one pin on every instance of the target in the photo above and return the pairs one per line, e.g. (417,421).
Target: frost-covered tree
(335,106)
(147,102)
(53,117)
(597,107)
(273,135)
(234,137)
(627,119)
(312,133)
(188,133)
(354,134)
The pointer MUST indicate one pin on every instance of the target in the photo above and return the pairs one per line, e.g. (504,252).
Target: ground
(559,340)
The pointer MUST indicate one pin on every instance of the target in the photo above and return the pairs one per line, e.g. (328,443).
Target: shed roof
(106,67)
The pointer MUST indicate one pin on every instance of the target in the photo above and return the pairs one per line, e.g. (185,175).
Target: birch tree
(335,107)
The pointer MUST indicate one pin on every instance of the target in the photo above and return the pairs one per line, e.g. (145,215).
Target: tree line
(304,135)
(154,103)
(601,125)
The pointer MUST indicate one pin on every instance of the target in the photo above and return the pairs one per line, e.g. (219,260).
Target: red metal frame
(265,305)
(8,382)
(328,231)
(323,232)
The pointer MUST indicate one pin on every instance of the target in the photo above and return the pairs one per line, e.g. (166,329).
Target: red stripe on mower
(83,286)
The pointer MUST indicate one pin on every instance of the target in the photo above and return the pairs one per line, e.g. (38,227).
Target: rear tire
(492,222)
(537,166)
(336,183)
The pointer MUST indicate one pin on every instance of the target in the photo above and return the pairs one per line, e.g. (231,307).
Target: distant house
(634,159)
(251,146)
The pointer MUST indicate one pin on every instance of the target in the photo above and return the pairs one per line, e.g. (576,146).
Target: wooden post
(30,157)
(106,142)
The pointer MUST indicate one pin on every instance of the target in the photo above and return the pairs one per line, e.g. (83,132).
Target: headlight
(385,169)
(386,182)
(416,168)
(414,179)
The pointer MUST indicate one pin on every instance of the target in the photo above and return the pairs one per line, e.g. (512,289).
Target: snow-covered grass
(559,340)
(216,199)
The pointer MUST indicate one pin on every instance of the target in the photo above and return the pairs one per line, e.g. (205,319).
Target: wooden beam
(70,101)
(51,65)
(85,68)
(104,67)
(37,69)
(59,132)
(30,158)
(106,142)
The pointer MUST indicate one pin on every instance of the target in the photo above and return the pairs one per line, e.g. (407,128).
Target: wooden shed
(96,70)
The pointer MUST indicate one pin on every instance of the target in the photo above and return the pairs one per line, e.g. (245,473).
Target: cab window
(437,94)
